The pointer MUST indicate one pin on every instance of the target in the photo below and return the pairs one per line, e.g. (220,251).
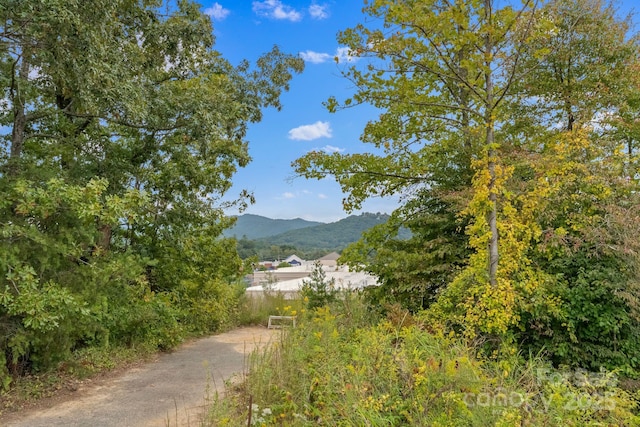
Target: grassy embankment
(343,365)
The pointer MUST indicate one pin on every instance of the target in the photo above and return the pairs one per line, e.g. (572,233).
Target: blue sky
(245,29)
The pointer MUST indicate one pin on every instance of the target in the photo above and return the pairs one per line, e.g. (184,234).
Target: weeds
(341,367)
(255,310)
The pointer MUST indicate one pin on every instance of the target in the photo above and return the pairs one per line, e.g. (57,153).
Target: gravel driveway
(173,390)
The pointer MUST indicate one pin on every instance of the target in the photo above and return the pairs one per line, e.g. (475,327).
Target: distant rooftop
(344,279)
(333,256)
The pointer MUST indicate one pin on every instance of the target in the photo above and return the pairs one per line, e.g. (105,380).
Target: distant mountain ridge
(336,235)
(255,226)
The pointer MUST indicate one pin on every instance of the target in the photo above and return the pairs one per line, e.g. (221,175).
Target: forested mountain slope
(335,235)
(256,226)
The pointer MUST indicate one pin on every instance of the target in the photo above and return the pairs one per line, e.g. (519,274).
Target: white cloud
(217,12)
(332,149)
(315,57)
(318,11)
(277,10)
(322,196)
(310,132)
(343,55)
(287,195)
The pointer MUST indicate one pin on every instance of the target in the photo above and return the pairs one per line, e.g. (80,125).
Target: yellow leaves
(493,310)
(470,301)
(541,53)
(486,184)
(323,314)
(451,368)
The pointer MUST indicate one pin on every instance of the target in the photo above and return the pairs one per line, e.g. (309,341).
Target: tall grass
(255,310)
(340,366)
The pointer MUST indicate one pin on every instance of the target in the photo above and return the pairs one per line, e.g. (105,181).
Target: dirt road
(173,390)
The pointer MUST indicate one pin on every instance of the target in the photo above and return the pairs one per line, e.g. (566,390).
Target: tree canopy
(121,129)
(510,133)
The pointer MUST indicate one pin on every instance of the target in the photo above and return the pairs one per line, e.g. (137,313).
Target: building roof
(293,257)
(333,256)
(343,279)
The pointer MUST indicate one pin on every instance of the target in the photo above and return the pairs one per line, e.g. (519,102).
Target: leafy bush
(61,290)
(337,368)
(209,306)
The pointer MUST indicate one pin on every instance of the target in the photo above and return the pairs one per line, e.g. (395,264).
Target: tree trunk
(492,216)
(105,237)
(19,115)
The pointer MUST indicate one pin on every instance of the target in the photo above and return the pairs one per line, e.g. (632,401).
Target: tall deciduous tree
(121,130)
(521,125)
(441,72)
(580,100)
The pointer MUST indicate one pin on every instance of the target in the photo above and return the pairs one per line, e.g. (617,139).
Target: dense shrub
(339,368)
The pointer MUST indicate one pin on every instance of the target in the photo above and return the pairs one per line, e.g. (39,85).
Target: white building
(341,276)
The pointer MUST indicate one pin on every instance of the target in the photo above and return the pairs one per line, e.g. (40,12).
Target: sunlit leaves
(511,133)
(122,130)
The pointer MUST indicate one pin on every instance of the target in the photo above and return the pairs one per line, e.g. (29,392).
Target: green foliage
(411,270)
(121,130)
(47,249)
(512,137)
(317,291)
(592,266)
(337,367)
(209,306)
(596,327)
